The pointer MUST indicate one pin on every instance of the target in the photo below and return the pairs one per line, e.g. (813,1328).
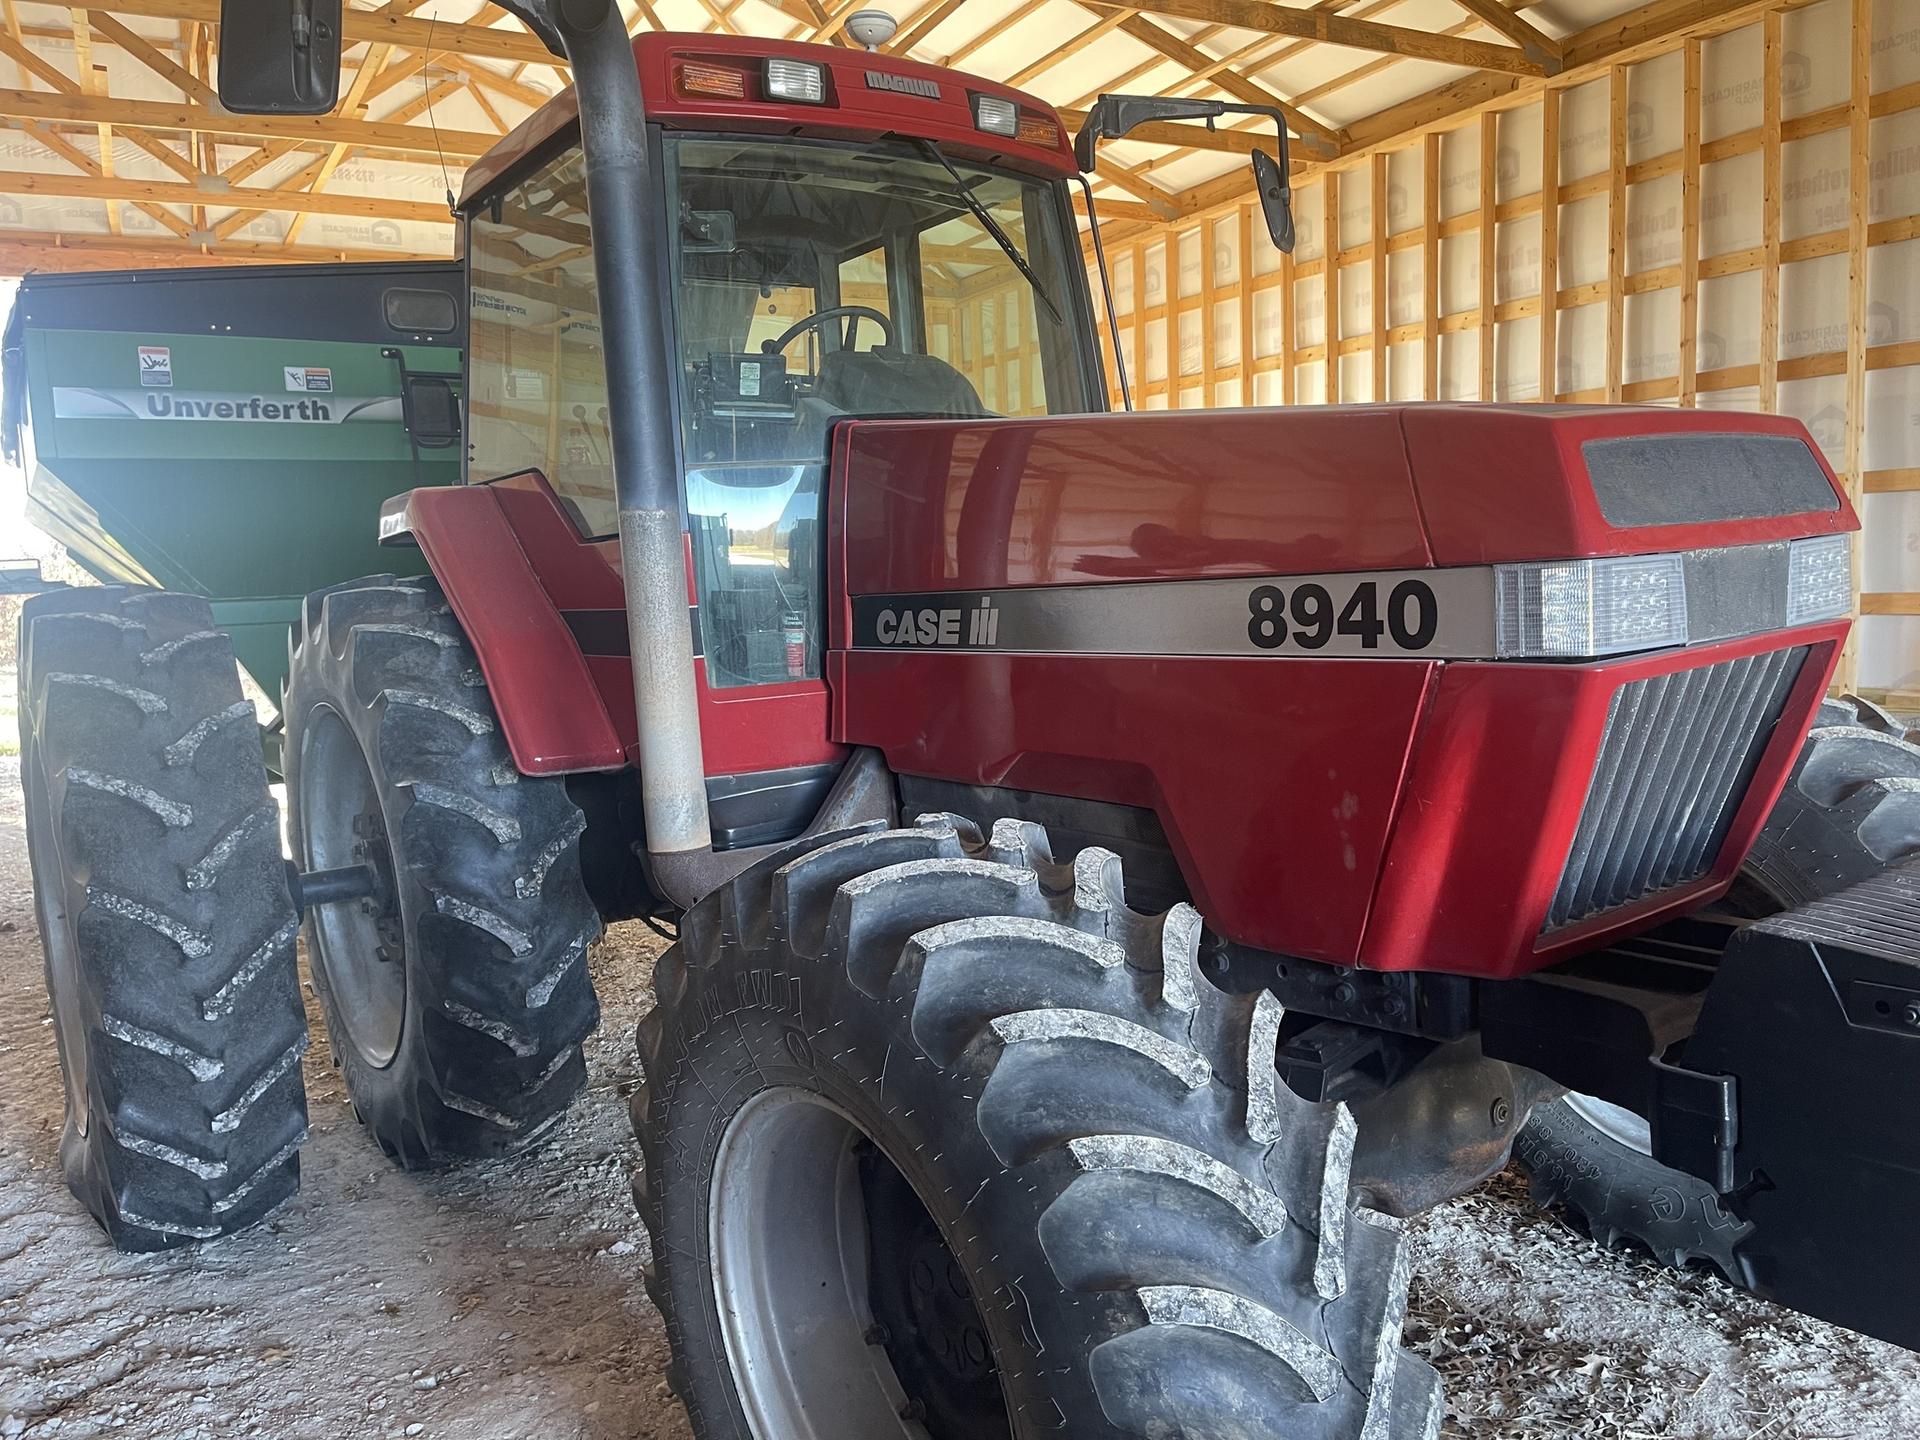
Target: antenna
(872,28)
(426,93)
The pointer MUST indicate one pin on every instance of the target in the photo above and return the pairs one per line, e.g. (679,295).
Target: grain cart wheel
(944,1142)
(456,994)
(1851,808)
(162,902)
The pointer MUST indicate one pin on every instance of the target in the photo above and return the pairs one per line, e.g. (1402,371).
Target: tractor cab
(928,269)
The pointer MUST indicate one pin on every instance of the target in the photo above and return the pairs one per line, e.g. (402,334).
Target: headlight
(1819,578)
(996,116)
(1590,607)
(796,81)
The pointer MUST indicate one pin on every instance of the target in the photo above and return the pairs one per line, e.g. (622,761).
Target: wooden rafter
(165,116)
(1183,52)
(23,252)
(1534,43)
(165,192)
(1331,29)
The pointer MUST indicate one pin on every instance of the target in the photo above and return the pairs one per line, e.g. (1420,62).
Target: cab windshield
(811,280)
(814,281)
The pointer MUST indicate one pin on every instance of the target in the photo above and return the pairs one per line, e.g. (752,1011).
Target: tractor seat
(886,381)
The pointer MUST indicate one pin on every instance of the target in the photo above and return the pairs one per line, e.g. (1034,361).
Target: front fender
(551,710)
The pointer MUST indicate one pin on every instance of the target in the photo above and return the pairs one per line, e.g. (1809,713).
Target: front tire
(997,1148)
(1851,808)
(163,909)
(457,995)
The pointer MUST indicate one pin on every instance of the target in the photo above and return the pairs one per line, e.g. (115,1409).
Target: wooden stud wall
(1263,353)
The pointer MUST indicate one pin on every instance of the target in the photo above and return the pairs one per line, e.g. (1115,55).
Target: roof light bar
(703,81)
(796,81)
(996,116)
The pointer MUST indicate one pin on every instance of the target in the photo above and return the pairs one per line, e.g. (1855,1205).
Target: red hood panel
(1508,482)
(956,505)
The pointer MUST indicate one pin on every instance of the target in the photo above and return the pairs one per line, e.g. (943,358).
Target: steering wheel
(851,314)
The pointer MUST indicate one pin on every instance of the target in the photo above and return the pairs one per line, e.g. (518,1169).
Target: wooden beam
(1244,299)
(1489,254)
(174,117)
(1184,52)
(29,252)
(1069,49)
(1616,232)
(188,84)
(1534,43)
(1377,216)
(1330,279)
(1689,358)
(921,24)
(378,27)
(1157,200)
(92,187)
(1114,209)
(1430,271)
(1186,136)
(1548,389)
(1770,205)
(1332,29)
(1859,181)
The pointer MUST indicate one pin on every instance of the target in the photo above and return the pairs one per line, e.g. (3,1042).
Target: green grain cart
(232,432)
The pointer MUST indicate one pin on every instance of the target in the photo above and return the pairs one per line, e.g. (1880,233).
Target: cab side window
(537,388)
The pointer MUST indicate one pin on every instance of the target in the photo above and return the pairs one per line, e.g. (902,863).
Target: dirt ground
(504,1301)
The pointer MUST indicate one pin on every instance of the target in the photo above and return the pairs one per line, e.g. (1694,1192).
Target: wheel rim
(360,944)
(799,1193)
(1618,1124)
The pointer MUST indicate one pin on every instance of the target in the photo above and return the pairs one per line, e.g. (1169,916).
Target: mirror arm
(1114,116)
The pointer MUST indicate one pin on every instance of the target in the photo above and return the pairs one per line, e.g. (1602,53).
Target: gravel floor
(504,1301)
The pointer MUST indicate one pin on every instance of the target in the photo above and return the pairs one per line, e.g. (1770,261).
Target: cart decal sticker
(72,402)
(156,365)
(1438,614)
(308,379)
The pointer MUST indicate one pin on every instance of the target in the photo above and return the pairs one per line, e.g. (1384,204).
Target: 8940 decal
(1441,613)
(1310,615)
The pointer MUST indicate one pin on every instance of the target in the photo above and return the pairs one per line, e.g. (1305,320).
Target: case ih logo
(903,84)
(929,626)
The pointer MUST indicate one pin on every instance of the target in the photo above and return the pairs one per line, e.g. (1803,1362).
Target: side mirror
(280,57)
(431,410)
(1112,116)
(1276,200)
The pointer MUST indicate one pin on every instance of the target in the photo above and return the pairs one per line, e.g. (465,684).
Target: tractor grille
(1675,759)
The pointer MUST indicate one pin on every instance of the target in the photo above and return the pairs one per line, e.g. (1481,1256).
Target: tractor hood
(1426,687)
(957,505)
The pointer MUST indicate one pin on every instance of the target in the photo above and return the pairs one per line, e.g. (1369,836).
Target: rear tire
(457,998)
(1851,808)
(1144,1232)
(163,909)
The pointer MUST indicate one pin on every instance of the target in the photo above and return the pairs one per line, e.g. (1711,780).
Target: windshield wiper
(992,227)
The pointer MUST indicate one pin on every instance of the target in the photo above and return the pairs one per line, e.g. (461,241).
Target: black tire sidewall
(755,1023)
(1619,1191)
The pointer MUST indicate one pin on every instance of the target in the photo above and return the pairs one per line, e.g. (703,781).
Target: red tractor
(1123,865)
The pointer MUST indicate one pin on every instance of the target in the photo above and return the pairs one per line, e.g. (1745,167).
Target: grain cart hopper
(228,432)
(1123,864)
